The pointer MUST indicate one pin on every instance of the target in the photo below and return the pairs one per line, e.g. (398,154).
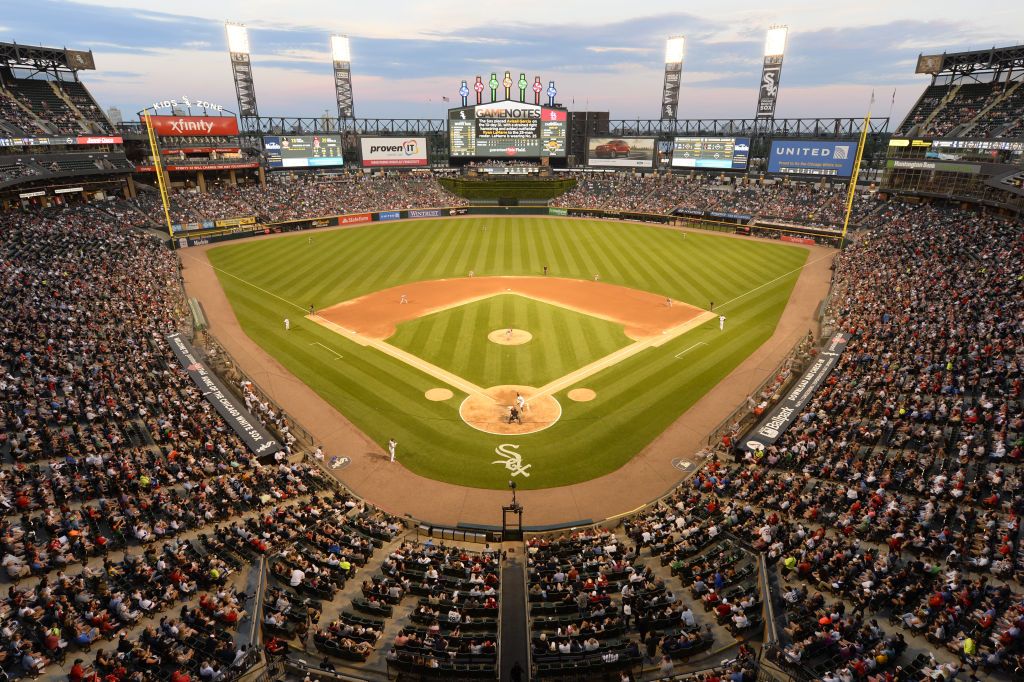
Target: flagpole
(851,192)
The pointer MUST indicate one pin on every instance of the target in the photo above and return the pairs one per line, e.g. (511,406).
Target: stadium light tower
(241,70)
(674,50)
(771,72)
(341,55)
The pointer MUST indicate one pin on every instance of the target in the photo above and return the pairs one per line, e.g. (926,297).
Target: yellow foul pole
(159,166)
(852,190)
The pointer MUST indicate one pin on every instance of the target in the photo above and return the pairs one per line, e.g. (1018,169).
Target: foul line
(785,274)
(243,281)
(684,352)
(317,343)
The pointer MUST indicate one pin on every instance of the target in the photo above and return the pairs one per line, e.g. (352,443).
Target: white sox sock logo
(513,460)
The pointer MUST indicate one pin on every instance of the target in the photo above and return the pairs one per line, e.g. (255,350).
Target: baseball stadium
(505,384)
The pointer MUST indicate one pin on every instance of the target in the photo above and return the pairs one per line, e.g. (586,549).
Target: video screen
(507,129)
(625,152)
(726,153)
(303,151)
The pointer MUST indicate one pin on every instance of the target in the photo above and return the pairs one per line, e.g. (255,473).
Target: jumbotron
(525,392)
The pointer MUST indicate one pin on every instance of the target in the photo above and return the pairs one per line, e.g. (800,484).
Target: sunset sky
(602,55)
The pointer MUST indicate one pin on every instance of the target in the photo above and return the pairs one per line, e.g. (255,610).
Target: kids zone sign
(393,151)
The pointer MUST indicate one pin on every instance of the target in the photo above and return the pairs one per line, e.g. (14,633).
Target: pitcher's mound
(506,337)
(438,394)
(490,413)
(582,395)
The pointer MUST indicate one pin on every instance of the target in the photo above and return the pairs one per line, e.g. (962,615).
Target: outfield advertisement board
(389,215)
(786,411)
(626,152)
(355,219)
(812,157)
(426,213)
(191,126)
(393,151)
(725,153)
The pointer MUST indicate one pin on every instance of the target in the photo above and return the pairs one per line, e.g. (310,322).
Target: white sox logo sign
(513,461)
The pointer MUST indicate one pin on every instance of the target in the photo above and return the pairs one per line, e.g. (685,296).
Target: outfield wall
(728,223)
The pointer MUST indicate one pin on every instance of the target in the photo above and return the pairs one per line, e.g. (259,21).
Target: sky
(603,56)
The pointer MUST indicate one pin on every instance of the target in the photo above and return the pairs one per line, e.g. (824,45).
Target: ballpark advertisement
(812,157)
(234,413)
(393,151)
(624,152)
(781,416)
(190,126)
(768,95)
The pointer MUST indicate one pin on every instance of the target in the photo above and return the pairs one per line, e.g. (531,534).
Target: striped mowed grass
(268,280)
(456,340)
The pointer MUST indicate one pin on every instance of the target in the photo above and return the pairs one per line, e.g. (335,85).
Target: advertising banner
(232,222)
(188,126)
(782,415)
(812,157)
(354,219)
(628,152)
(46,141)
(189,227)
(389,215)
(426,213)
(795,240)
(768,95)
(558,211)
(231,409)
(393,151)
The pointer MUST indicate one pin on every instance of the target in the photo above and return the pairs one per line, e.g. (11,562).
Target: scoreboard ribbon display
(507,129)
(303,151)
(728,153)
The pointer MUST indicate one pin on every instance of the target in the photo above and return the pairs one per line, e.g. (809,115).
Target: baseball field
(426,331)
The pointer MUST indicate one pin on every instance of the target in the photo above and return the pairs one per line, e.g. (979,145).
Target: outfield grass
(636,399)
(456,340)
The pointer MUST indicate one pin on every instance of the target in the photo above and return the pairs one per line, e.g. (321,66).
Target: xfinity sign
(393,151)
(812,157)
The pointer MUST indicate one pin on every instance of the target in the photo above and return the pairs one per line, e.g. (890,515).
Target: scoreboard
(303,151)
(507,129)
(727,153)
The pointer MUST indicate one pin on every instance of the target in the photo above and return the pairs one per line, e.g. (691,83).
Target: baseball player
(287,324)
(520,402)
(721,323)
(392,446)
(404,299)
(508,334)
(312,310)
(668,302)
(597,277)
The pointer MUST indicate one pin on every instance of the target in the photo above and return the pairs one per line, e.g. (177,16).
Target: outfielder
(287,324)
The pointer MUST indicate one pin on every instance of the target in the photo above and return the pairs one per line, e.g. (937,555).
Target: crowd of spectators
(294,198)
(964,106)
(812,204)
(13,114)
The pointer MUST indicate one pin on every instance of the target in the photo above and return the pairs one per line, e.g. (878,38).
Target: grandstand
(179,500)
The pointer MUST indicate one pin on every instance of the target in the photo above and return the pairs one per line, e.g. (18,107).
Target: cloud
(406,55)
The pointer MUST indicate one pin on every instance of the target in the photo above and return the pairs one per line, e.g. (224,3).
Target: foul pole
(159,166)
(852,190)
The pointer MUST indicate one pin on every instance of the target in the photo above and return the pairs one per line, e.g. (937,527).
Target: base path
(643,314)
(397,490)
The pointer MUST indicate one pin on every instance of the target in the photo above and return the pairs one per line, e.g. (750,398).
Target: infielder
(668,302)
(392,445)
(404,299)
(721,323)
(287,324)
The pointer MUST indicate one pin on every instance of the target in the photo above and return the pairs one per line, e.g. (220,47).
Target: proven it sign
(190,126)
(394,151)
